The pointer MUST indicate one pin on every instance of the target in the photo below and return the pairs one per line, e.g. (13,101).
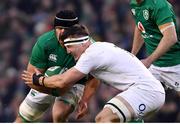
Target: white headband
(66,19)
(74,41)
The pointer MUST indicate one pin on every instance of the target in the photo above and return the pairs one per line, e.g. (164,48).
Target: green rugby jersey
(148,16)
(47,52)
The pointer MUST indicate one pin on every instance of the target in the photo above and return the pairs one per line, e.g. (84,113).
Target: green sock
(136,121)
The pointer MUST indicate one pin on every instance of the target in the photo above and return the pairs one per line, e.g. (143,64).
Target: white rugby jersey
(116,67)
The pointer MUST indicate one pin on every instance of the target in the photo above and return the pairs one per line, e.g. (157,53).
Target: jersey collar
(134,2)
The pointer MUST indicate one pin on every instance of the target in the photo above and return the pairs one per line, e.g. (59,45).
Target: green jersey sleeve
(162,12)
(38,56)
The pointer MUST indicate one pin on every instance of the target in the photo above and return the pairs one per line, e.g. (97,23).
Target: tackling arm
(90,89)
(64,80)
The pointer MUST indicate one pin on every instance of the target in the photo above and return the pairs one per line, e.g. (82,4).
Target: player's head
(76,39)
(64,19)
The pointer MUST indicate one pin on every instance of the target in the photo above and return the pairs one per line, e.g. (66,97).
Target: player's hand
(37,71)
(146,62)
(82,109)
(27,77)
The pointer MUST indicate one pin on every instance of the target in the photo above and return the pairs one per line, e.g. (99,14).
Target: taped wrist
(36,79)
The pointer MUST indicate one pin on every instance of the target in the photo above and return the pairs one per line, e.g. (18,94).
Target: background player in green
(156,26)
(48,52)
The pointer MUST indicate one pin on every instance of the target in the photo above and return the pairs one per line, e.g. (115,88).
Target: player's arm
(89,90)
(137,41)
(168,40)
(65,80)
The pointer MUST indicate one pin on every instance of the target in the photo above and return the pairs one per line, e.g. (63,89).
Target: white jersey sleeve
(89,61)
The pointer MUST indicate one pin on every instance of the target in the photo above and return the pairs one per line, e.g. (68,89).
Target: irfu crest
(146,14)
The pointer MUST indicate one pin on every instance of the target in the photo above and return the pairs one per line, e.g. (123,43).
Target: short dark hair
(76,30)
(65,19)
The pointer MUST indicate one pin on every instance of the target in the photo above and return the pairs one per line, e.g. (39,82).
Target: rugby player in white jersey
(141,92)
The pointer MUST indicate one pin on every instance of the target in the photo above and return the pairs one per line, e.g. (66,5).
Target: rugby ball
(54,70)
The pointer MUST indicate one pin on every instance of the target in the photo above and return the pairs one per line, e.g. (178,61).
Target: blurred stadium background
(22,21)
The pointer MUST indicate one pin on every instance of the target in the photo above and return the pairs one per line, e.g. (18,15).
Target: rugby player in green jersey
(48,52)
(156,26)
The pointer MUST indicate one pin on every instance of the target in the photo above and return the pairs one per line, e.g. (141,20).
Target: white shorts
(135,103)
(169,76)
(36,103)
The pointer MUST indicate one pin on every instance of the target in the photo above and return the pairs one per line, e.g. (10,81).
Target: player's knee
(61,113)
(119,110)
(99,118)
(106,118)
(59,116)
(18,120)
(102,119)
(30,113)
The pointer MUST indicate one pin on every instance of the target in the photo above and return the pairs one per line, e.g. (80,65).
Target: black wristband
(36,79)
(43,81)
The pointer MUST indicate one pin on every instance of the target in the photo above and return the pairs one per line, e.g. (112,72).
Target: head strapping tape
(74,41)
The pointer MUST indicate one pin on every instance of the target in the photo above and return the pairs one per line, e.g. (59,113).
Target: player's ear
(62,30)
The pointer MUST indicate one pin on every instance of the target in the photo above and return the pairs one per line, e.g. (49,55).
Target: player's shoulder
(47,37)
(48,40)
(158,3)
(98,48)
(95,46)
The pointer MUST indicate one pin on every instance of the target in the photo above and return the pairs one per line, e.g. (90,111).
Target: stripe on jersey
(167,27)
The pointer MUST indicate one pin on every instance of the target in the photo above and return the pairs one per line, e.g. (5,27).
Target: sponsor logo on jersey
(52,57)
(147,36)
(141,27)
(146,14)
(176,84)
(141,111)
(133,12)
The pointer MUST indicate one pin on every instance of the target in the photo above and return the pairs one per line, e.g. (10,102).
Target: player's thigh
(135,103)
(107,115)
(65,104)
(143,101)
(169,76)
(34,105)
(118,110)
